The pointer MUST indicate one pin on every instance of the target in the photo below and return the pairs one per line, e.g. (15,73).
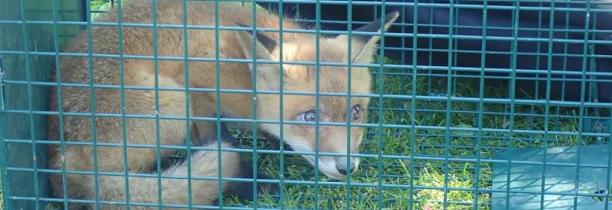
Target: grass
(423,162)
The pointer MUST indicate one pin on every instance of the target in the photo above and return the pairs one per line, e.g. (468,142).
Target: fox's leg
(203,106)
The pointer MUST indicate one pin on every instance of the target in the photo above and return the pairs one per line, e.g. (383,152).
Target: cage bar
(474,104)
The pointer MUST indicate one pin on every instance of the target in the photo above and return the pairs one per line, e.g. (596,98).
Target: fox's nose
(342,166)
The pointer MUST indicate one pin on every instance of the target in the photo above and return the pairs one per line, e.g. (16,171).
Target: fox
(115,122)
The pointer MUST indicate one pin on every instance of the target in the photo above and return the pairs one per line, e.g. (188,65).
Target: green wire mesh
(434,140)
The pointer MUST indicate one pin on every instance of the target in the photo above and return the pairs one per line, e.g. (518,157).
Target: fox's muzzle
(346,166)
(338,167)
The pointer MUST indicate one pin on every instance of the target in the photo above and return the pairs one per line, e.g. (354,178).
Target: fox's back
(129,56)
(143,44)
(142,40)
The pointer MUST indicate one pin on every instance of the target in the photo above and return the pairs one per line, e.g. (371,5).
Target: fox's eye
(308,116)
(356,113)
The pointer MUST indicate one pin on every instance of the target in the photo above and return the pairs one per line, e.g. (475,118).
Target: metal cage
(476,104)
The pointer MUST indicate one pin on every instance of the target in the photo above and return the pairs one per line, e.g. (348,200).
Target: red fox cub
(105,126)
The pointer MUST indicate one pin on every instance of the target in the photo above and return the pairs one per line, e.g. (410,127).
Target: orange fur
(171,74)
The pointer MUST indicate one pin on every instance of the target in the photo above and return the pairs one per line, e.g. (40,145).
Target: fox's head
(299,83)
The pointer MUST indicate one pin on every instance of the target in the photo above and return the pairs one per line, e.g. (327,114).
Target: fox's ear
(363,45)
(261,49)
